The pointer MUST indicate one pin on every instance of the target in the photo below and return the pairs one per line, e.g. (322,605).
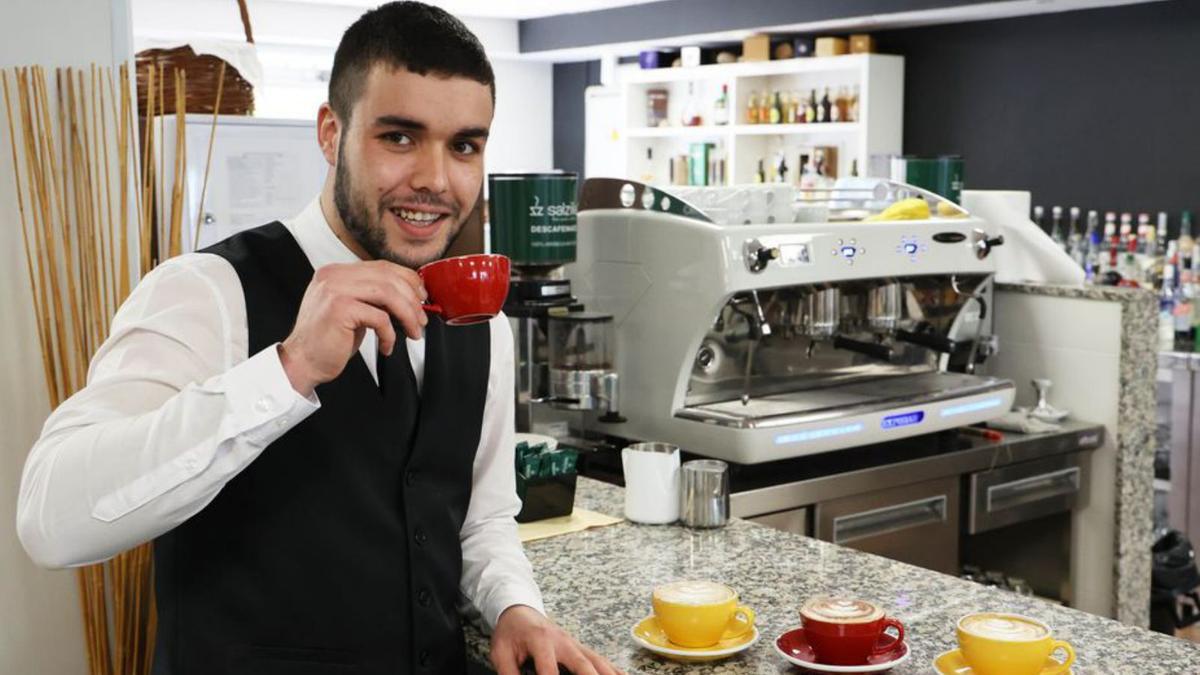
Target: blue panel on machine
(903,419)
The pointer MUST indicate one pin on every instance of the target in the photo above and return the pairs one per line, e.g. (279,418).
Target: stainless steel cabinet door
(916,523)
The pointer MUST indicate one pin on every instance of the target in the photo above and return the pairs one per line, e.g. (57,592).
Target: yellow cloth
(578,521)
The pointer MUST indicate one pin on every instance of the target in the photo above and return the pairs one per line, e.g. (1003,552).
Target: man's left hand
(523,633)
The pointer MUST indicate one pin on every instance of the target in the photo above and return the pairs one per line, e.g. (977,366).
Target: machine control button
(911,247)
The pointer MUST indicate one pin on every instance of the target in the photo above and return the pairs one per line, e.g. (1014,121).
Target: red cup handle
(436,309)
(885,647)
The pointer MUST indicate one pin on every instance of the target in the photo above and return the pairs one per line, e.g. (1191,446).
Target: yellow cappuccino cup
(700,613)
(1010,644)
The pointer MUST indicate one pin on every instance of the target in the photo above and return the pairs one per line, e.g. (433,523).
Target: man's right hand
(341,302)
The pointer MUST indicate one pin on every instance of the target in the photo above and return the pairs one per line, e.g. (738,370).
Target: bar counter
(597,584)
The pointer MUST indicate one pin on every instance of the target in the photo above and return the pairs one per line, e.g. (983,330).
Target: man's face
(410,164)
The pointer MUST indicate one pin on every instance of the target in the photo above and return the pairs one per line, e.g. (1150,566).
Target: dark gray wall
(1095,108)
(570,81)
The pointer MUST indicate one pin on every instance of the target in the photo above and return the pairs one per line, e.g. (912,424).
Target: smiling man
(326,471)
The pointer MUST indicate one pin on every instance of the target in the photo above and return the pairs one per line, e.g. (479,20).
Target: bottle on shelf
(752,108)
(854,168)
(826,105)
(1161,235)
(1145,233)
(1112,239)
(764,108)
(789,109)
(1056,227)
(691,112)
(1185,307)
(1075,236)
(1039,218)
(1187,245)
(721,107)
(810,112)
(1093,243)
(853,106)
(797,107)
(842,105)
(781,168)
(760,176)
(647,176)
(1128,267)
(1166,309)
(776,112)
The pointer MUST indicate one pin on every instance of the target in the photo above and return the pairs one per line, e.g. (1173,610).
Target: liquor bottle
(789,109)
(776,112)
(760,176)
(1145,232)
(1056,227)
(835,110)
(647,177)
(854,168)
(1187,245)
(842,105)
(1094,244)
(691,113)
(853,106)
(1185,301)
(1126,226)
(1075,236)
(781,168)
(752,108)
(1112,238)
(1166,310)
(764,108)
(811,111)
(1128,269)
(1162,233)
(721,107)
(1039,218)
(826,104)
(797,105)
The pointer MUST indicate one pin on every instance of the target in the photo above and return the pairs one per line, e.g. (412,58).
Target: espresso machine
(564,354)
(746,336)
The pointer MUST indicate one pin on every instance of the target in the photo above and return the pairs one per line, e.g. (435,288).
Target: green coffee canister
(532,217)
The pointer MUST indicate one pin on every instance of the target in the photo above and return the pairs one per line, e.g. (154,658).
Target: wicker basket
(203,72)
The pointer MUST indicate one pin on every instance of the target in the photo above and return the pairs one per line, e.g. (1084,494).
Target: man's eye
(466,148)
(397,138)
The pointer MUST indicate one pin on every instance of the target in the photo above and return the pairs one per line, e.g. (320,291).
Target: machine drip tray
(837,400)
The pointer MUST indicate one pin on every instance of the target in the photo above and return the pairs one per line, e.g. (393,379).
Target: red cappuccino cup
(845,632)
(466,289)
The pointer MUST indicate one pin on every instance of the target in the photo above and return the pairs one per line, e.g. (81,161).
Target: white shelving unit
(877,131)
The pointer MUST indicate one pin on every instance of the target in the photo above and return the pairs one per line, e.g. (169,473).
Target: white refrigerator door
(261,170)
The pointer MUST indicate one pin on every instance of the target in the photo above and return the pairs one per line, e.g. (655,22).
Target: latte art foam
(1004,627)
(693,593)
(840,610)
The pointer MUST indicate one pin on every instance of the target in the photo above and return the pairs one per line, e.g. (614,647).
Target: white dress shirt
(175,407)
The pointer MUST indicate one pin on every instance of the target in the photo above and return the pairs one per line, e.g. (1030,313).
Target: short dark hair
(412,35)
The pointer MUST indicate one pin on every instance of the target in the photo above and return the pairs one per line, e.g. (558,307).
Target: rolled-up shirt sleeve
(496,574)
(172,410)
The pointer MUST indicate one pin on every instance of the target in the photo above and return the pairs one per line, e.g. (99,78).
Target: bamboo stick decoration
(64,145)
(212,134)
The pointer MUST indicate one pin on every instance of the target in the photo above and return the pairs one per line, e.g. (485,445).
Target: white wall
(296,41)
(40,624)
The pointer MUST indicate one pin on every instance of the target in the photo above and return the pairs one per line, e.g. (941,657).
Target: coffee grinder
(564,356)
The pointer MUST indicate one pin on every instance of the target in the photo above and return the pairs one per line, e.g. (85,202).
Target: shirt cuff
(509,597)
(262,403)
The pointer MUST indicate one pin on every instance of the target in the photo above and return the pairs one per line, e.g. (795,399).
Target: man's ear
(329,133)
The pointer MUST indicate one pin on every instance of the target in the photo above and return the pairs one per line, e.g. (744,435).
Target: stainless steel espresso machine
(564,355)
(753,341)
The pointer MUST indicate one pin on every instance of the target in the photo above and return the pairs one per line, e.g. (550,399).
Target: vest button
(420,537)
(423,597)
(423,659)
(410,477)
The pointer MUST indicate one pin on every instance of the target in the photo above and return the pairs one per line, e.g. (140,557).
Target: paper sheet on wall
(257,183)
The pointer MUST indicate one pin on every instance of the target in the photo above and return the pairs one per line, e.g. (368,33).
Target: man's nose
(430,171)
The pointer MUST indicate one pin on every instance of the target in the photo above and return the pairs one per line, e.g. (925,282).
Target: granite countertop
(597,584)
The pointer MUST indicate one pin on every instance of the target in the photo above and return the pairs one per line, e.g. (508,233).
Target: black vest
(336,551)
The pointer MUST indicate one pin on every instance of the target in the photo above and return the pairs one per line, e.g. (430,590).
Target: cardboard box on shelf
(756,48)
(862,43)
(831,46)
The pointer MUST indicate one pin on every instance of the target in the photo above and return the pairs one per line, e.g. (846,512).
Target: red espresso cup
(466,289)
(845,632)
